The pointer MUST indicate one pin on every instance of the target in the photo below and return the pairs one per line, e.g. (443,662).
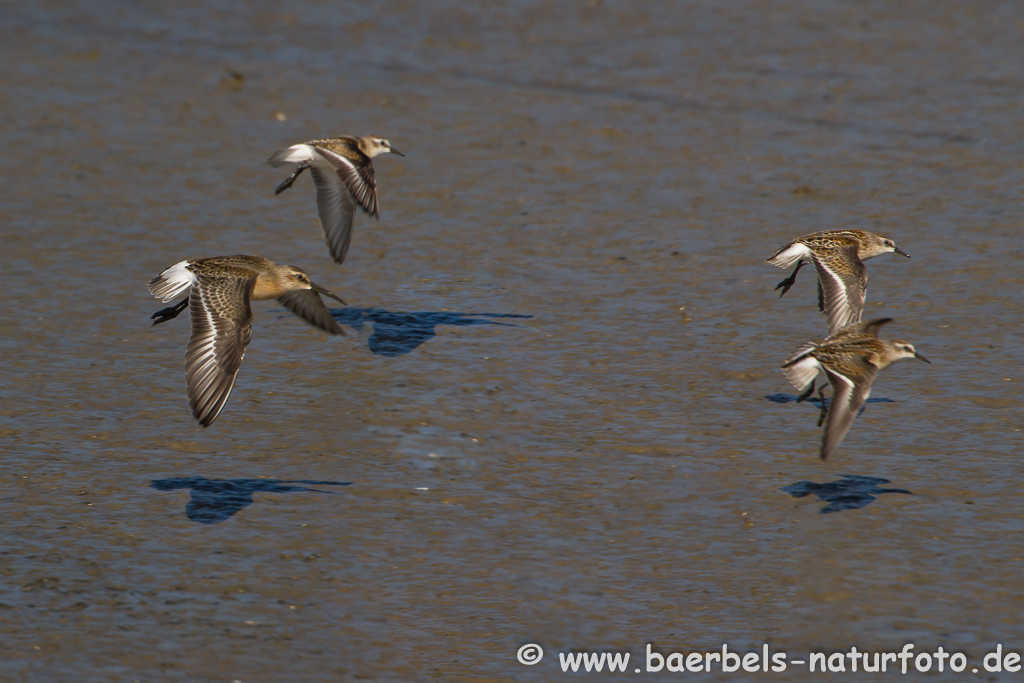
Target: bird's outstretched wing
(221,329)
(308,305)
(843,280)
(851,382)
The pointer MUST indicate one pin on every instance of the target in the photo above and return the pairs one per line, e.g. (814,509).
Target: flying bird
(218,295)
(342,170)
(850,359)
(838,256)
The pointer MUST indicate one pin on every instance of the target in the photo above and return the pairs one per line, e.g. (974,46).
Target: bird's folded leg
(169,313)
(824,407)
(291,179)
(791,280)
(807,394)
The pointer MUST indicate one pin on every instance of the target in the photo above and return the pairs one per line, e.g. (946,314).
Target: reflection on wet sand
(396,334)
(849,493)
(215,500)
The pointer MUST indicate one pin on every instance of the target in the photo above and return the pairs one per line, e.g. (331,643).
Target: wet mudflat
(604,473)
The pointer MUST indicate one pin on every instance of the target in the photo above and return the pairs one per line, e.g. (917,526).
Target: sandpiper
(343,174)
(850,359)
(219,291)
(838,256)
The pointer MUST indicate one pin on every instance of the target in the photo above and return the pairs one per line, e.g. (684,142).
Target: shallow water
(601,473)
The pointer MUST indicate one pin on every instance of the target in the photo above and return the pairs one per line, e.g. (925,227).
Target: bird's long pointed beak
(326,292)
(395,151)
(901,252)
(920,357)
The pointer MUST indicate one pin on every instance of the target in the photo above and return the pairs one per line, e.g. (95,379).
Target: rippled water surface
(548,422)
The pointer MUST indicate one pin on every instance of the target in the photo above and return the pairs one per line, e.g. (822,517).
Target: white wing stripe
(327,164)
(837,301)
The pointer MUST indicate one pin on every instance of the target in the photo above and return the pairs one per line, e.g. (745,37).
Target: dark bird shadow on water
(849,493)
(789,398)
(215,500)
(396,334)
